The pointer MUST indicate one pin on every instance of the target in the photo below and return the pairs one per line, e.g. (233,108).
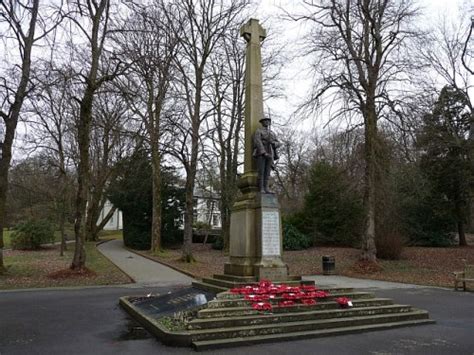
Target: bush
(31,234)
(201,226)
(333,211)
(136,232)
(132,194)
(389,246)
(218,243)
(425,213)
(293,239)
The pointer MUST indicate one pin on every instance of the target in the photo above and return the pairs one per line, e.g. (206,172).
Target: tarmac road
(89,321)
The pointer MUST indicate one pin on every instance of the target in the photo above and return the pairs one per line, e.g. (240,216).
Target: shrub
(333,211)
(389,246)
(136,232)
(425,213)
(201,226)
(218,243)
(31,234)
(131,192)
(293,239)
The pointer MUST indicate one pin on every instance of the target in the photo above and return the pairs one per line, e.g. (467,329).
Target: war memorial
(257,299)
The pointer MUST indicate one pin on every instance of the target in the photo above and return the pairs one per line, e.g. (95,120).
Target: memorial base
(256,242)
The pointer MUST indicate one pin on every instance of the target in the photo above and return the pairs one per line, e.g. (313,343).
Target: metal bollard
(329,265)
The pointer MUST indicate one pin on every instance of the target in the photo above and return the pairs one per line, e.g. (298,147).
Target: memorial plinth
(256,240)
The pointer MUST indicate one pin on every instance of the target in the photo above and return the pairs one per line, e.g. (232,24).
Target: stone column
(255,227)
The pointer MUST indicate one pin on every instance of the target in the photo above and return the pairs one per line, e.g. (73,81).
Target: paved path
(151,273)
(144,271)
(343,281)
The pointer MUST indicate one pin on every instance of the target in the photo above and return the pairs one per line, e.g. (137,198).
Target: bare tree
(205,24)
(359,65)
(150,45)
(227,96)
(467,51)
(109,144)
(92,19)
(295,156)
(22,26)
(53,110)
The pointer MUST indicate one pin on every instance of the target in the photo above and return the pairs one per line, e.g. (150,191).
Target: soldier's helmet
(265,119)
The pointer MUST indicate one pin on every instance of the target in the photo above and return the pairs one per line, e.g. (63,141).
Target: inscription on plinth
(270,233)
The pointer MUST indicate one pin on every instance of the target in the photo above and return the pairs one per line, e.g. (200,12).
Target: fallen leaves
(419,265)
(45,268)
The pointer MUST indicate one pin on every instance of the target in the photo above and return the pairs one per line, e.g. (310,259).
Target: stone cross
(256,241)
(253,33)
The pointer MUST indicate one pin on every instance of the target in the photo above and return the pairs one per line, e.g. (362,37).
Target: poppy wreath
(308,288)
(261,294)
(262,306)
(286,303)
(321,294)
(257,298)
(344,302)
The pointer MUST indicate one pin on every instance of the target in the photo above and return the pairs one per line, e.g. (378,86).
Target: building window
(215,220)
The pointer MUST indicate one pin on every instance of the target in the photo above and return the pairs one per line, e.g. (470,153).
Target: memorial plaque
(168,304)
(270,233)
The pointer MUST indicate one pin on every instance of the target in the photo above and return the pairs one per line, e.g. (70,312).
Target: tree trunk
(461,208)
(209,222)
(156,190)
(462,234)
(2,267)
(225,231)
(104,221)
(11,121)
(187,254)
(83,128)
(92,214)
(95,206)
(62,222)
(4,167)
(223,205)
(368,239)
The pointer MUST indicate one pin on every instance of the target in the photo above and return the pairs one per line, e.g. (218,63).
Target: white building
(206,208)
(115,222)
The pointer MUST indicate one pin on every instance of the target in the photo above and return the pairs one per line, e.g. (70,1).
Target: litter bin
(329,265)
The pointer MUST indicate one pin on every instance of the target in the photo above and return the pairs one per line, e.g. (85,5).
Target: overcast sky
(296,76)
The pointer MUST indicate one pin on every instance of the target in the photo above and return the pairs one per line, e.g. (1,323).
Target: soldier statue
(265,145)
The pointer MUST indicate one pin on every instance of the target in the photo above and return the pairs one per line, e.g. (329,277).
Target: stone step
(251,279)
(302,326)
(230,284)
(227,277)
(240,302)
(248,310)
(231,342)
(238,321)
(234,296)
(208,287)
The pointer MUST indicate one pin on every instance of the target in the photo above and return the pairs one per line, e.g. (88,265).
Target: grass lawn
(69,236)
(422,266)
(6,238)
(57,237)
(31,269)
(111,235)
